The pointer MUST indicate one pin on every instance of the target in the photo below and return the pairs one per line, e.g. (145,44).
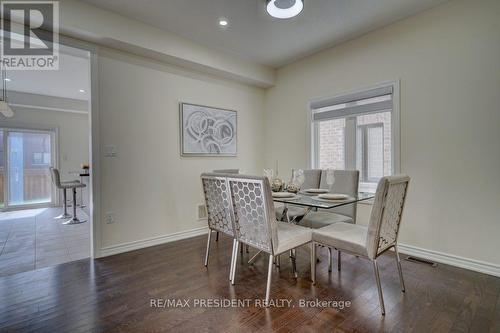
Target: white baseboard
(440,257)
(444,258)
(135,245)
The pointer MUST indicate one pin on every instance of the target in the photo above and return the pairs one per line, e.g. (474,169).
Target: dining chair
(235,171)
(380,235)
(219,209)
(346,182)
(311,180)
(256,224)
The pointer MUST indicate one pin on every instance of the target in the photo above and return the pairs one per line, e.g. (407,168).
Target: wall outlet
(109,218)
(202,212)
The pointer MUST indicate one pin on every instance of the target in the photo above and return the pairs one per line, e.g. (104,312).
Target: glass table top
(313,201)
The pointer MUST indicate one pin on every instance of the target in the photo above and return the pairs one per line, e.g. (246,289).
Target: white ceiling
(254,35)
(73,74)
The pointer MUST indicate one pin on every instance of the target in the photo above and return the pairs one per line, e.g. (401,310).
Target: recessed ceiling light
(223,22)
(284,9)
(82,90)
(7,80)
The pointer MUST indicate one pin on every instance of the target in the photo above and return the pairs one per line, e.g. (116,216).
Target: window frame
(364,155)
(350,135)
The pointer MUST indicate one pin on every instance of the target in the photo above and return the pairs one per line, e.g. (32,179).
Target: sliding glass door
(26,159)
(2,172)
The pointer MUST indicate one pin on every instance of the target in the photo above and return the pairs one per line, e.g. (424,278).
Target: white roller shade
(352,104)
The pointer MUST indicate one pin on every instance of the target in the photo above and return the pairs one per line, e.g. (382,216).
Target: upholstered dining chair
(380,235)
(233,171)
(219,209)
(346,182)
(311,180)
(256,225)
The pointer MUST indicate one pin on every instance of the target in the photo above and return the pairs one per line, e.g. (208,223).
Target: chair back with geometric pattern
(387,210)
(254,216)
(218,202)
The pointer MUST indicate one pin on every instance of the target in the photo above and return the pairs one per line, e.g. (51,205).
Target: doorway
(51,127)
(26,156)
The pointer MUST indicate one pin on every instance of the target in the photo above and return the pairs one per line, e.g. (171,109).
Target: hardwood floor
(114,294)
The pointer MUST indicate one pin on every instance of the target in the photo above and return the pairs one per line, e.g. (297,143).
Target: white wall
(73,134)
(448,63)
(151,190)
(89,23)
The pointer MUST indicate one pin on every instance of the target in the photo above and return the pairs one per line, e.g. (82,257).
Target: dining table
(312,201)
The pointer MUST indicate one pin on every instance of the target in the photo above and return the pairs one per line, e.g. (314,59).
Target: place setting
(332,197)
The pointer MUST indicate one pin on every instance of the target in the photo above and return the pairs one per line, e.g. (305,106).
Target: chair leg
(75,219)
(399,269)
(247,250)
(254,257)
(330,259)
(294,264)
(232,261)
(217,237)
(379,287)
(65,214)
(269,275)
(235,261)
(313,262)
(241,248)
(339,260)
(208,247)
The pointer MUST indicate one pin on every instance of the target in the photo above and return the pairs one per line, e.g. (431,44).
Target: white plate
(333,196)
(284,195)
(316,190)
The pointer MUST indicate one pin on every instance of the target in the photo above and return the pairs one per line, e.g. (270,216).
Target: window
(357,131)
(41,159)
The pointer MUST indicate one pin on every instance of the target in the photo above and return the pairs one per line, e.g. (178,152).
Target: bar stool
(56,180)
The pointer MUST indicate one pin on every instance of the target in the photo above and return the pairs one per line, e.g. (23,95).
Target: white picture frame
(207,131)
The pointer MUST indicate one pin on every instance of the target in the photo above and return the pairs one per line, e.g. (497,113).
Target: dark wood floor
(114,295)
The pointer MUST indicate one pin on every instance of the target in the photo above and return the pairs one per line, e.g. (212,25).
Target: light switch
(110,151)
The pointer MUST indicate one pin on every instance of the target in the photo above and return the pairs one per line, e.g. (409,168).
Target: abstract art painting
(207,131)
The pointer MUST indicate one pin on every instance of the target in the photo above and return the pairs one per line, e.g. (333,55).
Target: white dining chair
(233,171)
(380,235)
(311,180)
(346,182)
(224,171)
(219,209)
(256,224)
